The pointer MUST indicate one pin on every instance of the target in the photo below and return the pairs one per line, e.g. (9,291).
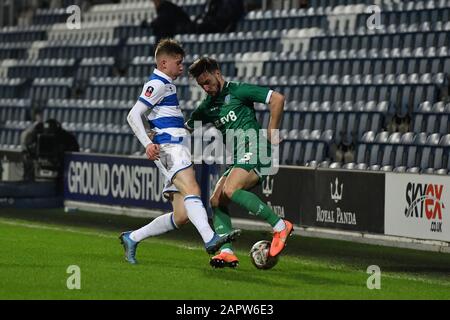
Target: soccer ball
(259,254)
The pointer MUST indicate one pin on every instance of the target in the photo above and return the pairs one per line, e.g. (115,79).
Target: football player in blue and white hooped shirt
(169,149)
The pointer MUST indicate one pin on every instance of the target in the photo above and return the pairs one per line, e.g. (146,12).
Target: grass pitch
(37,247)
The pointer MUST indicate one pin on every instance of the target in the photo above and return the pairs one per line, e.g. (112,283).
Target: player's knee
(181,220)
(228,191)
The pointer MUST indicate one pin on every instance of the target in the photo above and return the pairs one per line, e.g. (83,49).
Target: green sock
(252,203)
(222,224)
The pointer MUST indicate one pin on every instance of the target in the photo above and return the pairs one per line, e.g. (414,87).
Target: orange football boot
(280,238)
(224,259)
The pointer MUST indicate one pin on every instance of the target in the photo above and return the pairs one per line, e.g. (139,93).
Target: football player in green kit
(229,107)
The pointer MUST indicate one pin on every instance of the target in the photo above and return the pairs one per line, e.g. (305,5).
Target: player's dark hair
(203,64)
(169,47)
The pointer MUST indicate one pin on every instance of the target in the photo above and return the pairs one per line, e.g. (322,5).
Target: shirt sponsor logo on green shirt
(231,116)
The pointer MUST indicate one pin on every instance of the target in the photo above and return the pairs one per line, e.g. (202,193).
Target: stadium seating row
(432,119)
(352,67)
(289,19)
(310,146)
(378,41)
(14,109)
(402,91)
(235,43)
(408,17)
(23,34)
(408,150)
(142,67)
(113,143)
(375,167)
(45,68)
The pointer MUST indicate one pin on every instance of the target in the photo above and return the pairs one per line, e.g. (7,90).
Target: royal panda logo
(336,195)
(338,215)
(267,190)
(267,186)
(424,202)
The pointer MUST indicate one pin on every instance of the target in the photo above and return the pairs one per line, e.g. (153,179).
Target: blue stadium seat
(414,150)
(44,89)
(439,151)
(388,151)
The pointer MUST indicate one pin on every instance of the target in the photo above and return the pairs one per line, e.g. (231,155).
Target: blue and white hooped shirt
(165,118)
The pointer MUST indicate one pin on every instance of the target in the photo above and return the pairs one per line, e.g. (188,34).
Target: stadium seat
(441,171)
(335,165)
(349,166)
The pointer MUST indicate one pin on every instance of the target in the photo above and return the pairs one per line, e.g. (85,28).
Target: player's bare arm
(276,105)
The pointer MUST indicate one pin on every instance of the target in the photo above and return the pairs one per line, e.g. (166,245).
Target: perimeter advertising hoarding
(282,192)
(114,180)
(336,199)
(417,206)
(346,200)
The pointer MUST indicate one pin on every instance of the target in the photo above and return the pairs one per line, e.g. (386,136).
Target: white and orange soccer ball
(259,254)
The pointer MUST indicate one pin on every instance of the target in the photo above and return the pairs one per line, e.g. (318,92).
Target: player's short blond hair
(169,47)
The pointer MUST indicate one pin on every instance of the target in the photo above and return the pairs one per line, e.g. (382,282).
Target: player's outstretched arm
(276,105)
(134,119)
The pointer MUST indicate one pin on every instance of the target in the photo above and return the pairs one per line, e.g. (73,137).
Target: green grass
(35,254)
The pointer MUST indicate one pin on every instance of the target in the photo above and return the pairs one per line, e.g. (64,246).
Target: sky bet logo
(424,201)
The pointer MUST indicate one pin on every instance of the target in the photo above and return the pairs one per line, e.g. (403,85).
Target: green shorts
(252,161)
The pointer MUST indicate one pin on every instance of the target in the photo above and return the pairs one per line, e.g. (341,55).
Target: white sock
(197,215)
(279,226)
(227,251)
(160,225)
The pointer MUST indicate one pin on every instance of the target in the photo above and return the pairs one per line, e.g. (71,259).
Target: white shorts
(173,159)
